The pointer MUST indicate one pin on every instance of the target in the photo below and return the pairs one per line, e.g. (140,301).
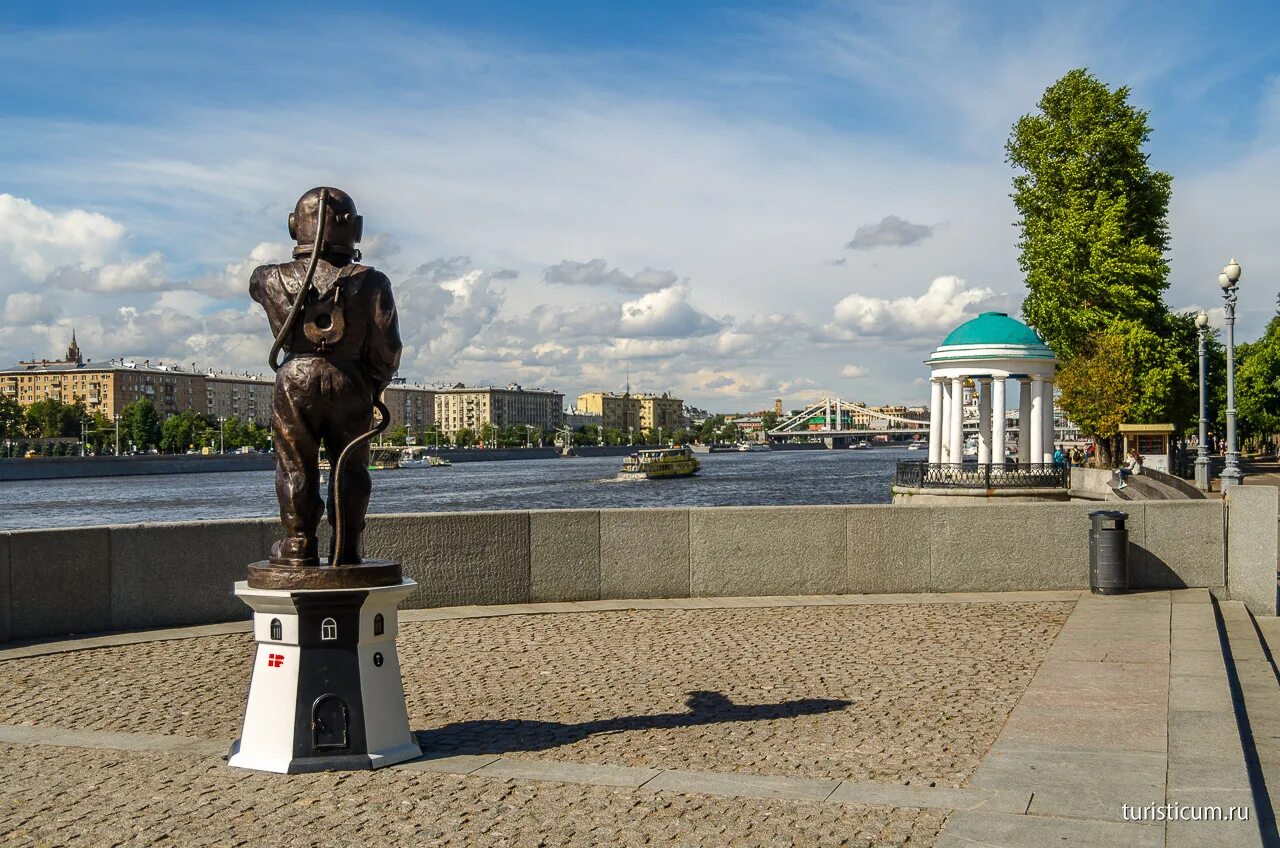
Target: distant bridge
(831,419)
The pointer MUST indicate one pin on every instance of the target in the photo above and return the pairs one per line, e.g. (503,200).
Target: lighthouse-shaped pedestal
(326,692)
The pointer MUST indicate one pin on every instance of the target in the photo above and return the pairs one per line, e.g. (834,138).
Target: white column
(1048,420)
(1024,422)
(982,387)
(944,442)
(998,416)
(1037,419)
(935,421)
(957,420)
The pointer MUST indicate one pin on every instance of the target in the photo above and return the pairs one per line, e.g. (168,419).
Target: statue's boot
(350,553)
(295,551)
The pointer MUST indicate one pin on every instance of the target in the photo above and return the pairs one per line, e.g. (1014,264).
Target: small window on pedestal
(277,630)
(379,626)
(328,630)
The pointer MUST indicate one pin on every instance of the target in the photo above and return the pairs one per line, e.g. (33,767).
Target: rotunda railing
(913,474)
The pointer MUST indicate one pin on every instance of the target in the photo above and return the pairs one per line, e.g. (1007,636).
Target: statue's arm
(259,283)
(382,349)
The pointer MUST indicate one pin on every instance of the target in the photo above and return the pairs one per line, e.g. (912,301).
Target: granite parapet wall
(85,580)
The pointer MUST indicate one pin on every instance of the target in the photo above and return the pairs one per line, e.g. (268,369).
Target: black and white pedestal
(326,692)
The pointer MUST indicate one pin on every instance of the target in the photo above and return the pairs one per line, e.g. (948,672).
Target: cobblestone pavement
(891,692)
(900,693)
(909,693)
(75,797)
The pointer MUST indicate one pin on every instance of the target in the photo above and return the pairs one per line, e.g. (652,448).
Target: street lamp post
(117,434)
(1228,280)
(1202,446)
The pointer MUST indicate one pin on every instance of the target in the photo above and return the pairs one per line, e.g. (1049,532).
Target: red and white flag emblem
(275,660)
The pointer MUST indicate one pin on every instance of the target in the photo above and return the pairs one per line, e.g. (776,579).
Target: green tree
(101,434)
(1093,225)
(12,418)
(396,435)
(463,437)
(183,431)
(1093,235)
(707,434)
(769,420)
(140,425)
(1258,384)
(1097,386)
(51,418)
(433,436)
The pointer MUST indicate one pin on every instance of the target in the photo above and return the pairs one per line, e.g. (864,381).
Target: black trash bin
(1108,552)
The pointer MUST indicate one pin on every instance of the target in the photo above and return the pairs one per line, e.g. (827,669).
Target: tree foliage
(1097,384)
(140,424)
(184,431)
(1258,383)
(1093,228)
(1093,232)
(51,418)
(12,419)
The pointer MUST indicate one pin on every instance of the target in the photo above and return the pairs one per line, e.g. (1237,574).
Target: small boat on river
(421,458)
(660,464)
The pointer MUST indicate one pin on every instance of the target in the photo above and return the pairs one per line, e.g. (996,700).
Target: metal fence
(915,474)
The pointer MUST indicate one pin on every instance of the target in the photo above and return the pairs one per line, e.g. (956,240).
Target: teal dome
(993,328)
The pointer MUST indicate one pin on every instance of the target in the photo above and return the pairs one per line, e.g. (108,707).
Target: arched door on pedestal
(329,721)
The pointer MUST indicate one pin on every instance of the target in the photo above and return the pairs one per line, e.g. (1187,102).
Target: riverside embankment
(94,579)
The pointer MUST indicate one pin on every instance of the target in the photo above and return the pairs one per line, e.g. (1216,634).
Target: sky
(734,202)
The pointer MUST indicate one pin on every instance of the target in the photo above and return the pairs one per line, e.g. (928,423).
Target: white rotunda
(988,353)
(991,350)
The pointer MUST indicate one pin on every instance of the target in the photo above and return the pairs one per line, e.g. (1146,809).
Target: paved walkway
(1135,707)
(1140,700)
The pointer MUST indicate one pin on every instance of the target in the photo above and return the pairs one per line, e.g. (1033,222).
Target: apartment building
(243,396)
(661,411)
(411,407)
(471,407)
(616,411)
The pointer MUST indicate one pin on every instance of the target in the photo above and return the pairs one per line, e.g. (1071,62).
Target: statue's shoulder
(369,278)
(263,279)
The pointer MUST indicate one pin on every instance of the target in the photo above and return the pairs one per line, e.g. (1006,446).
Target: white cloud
(666,313)
(233,280)
(947,302)
(145,274)
(854,372)
(443,310)
(37,241)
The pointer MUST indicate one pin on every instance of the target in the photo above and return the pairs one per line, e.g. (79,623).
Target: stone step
(1210,758)
(1256,699)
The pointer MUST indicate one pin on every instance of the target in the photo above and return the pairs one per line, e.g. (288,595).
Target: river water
(726,479)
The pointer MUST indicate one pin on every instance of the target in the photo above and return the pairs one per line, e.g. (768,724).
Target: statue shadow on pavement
(508,735)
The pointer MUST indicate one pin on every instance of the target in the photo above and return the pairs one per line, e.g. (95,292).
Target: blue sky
(667,186)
